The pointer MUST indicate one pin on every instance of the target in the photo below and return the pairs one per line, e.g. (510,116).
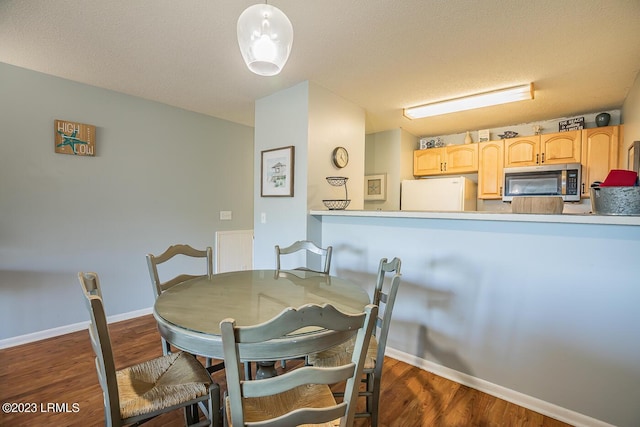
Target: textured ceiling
(582,55)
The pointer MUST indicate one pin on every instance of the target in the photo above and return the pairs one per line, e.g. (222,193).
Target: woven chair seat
(341,355)
(159,383)
(264,408)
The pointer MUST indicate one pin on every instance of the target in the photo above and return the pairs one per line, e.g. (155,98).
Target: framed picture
(633,161)
(276,172)
(375,187)
(484,135)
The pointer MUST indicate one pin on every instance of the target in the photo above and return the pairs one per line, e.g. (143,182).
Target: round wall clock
(340,157)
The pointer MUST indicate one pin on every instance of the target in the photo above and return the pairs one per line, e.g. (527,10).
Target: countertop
(568,218)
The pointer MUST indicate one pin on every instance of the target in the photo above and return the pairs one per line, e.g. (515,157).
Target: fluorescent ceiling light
(496,97)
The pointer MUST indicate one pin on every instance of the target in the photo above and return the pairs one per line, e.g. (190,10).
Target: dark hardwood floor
(57,378)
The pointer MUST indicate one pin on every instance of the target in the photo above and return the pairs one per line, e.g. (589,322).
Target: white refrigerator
(438,194)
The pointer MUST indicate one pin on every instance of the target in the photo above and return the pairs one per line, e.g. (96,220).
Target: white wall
(160,176)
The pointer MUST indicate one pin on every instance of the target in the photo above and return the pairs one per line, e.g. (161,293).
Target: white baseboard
(520,399)
(54,332)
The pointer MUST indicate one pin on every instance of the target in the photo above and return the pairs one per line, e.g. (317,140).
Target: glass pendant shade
(265,37)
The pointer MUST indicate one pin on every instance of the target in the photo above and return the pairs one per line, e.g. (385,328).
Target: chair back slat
(298,377)
(290,320)
(307,416)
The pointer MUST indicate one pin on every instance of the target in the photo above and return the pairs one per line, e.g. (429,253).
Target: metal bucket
(615,200)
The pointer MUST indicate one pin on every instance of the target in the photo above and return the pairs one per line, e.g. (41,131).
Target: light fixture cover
(496,97)
(265,37)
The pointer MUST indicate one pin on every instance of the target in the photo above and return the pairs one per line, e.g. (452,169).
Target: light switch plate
(225,215)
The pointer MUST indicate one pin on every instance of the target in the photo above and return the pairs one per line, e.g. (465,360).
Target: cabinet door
(428,162)
(561,147)
(599,155)
(490,167)
(523,151)
(461,158)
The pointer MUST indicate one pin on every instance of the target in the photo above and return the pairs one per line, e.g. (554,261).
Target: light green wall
(160,176)
(281,120)
(557,334)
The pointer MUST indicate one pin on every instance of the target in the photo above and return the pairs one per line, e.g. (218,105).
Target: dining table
(189,314)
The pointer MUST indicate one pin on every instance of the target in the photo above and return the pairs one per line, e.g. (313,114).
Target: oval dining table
(189,314)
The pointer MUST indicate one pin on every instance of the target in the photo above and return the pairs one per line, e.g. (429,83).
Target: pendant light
(265,36)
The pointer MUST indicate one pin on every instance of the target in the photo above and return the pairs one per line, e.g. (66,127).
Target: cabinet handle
(583,188)
(500,190)
(542,157)
(537,158)
(445,166)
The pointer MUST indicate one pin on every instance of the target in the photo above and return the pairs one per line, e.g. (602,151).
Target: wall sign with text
(75,138)
(571,124)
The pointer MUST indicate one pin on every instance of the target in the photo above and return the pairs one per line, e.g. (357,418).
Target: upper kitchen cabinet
(452,159)
(600,148)
(490,165)
(428,162)
(553,148)
(522,151)
(561,147)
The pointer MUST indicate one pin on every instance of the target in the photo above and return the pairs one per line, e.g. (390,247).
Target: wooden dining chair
(309,247)
(375,355)
(148,389)
(302,395)
(159,286)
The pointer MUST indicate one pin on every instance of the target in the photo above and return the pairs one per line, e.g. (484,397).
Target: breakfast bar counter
(567,218)
(540,309)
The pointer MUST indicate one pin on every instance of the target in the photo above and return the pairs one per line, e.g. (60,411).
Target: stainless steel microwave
(548,180)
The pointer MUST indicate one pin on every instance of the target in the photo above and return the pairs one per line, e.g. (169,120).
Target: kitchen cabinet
(553,148)
(521,151)
(600,147)
(490,165)
(561,147)
(428,162)
(452,159)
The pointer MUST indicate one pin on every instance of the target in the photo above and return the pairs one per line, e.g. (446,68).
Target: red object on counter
(620,178)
